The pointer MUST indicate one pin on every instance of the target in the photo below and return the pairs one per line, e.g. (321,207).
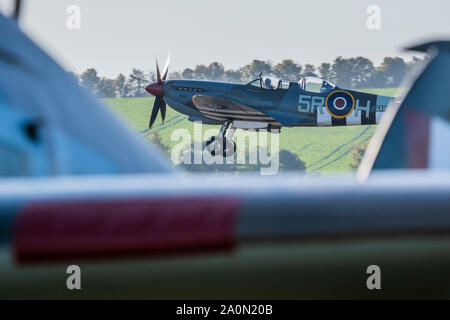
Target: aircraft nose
(155,89)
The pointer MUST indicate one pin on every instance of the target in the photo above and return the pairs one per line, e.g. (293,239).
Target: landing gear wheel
(210,140)
(213,144)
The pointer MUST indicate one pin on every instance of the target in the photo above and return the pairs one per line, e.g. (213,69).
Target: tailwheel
(215,145)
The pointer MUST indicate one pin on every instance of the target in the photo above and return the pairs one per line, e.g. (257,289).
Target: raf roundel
(340,103)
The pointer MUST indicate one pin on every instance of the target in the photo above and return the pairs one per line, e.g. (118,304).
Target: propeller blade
(166,68)
(159,101)
(155,110)
(163,110)
(158,74)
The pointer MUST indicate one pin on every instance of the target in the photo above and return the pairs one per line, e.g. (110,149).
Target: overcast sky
(118,35)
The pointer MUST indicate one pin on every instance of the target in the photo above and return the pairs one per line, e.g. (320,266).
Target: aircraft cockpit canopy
(270,83)
(314,84)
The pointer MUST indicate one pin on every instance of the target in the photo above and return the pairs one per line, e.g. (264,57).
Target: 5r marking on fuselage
(309,104)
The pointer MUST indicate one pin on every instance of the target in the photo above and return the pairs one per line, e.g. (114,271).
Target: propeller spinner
(157,89)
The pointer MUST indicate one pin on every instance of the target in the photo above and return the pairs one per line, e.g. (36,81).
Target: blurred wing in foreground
(415,134)
(49,125)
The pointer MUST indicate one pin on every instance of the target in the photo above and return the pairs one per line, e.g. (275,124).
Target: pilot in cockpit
(268,84)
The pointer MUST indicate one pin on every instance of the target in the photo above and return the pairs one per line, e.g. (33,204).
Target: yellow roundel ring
(340,115)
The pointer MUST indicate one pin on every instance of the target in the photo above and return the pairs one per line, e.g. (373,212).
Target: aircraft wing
(50,125)
(287,236)
(222,109)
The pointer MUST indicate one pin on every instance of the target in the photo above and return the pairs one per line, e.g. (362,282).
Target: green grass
(391,92)
(323,149)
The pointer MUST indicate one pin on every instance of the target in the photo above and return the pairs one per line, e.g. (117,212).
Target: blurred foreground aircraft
(153,233)
(416,134)
(51,126)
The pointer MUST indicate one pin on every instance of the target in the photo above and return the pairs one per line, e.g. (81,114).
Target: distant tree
(201,72)
(188,73)
(379,79)
(310,71)
(136,82)
(122,86)
(253,69)
(150,76)
(172,75)
(325,71)
(288,70)
(394,70)
(361,72)
(215,71)
(355,72)
(107,88)
(233,75)
(90,79)
(341,69)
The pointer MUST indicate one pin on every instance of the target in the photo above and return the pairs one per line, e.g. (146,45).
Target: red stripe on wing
(417,127)
(60,230)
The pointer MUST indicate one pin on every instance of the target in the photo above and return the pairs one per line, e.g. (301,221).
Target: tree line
(354,73)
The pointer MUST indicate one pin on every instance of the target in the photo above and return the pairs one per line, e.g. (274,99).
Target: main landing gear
(221,144)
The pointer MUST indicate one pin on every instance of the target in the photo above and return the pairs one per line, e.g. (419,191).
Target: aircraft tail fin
(415,134)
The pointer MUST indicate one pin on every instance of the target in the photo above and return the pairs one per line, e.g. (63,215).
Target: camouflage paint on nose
(155,89)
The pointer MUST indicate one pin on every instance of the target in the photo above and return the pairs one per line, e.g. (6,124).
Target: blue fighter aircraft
(264,103)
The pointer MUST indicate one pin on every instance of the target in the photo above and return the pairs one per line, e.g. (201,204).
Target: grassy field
(392,92)
(327,149)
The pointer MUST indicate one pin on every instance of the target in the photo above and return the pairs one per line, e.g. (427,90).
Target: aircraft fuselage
(289,107)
